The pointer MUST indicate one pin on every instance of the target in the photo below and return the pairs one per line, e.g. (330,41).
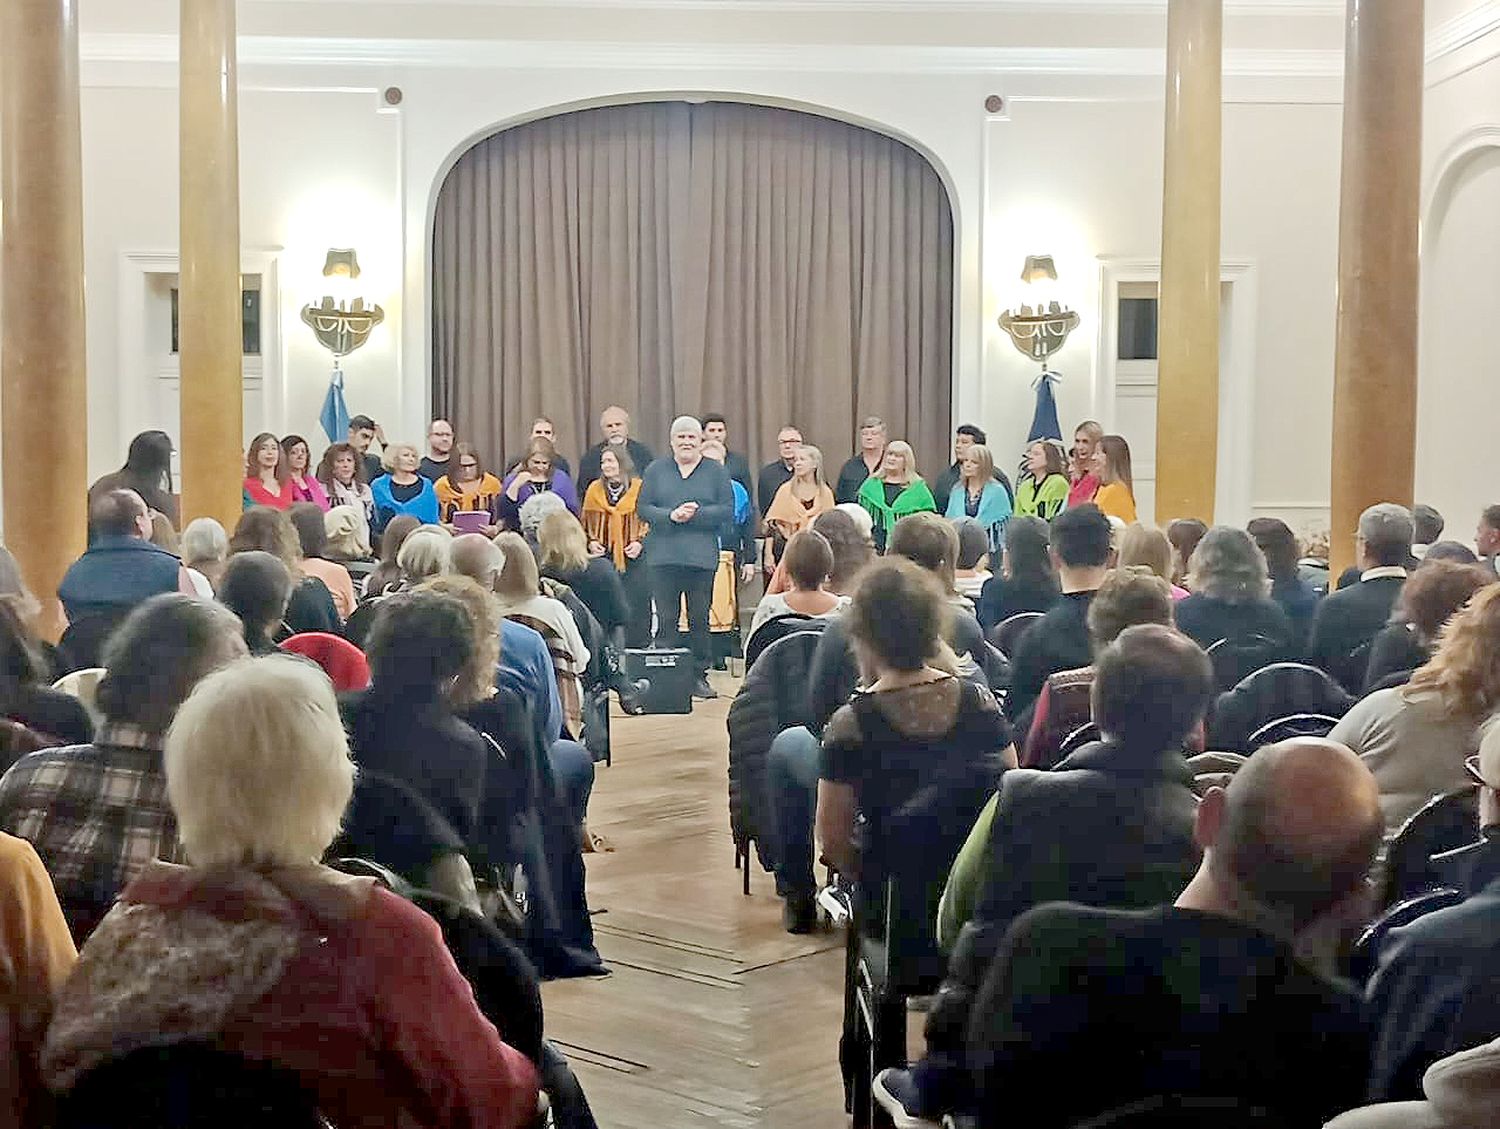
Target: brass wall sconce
(1040,332)
(342,327)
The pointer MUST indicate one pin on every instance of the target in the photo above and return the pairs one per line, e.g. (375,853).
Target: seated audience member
(895,491)
(121,569)
(564,557)
(147,471)
(1427,530)
(401,490)
(1128,597)
(1434,592)
(312,538)
(1184,534)
(1208,997)
(1415,737)
(1112,826)
(468,488)
(1451,551)
(268,481)
(1027,580)
(809,563)
(971,570)
(848,535)
(518,588)
(1230,600)
(54,718)
(1487,536)
(387,573)
(428,552)
(1431,992)
(275,957)
(98,813)
(342,475)
(304,483)
(1278,544)
(1145,546)
(347,542)
(205,548)
(1060,640)
(38,955)
(1348,620)
(914,734)
(266,530)
(256,587)
(978,494)
(1460,1091)
(404,725)
(525,662)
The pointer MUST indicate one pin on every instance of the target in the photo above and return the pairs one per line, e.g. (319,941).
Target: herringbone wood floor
(714,1015)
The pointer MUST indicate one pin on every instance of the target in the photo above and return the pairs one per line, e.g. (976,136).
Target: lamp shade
(344,263)
(1037,268)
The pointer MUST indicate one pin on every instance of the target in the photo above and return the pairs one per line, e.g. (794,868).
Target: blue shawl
(994,512)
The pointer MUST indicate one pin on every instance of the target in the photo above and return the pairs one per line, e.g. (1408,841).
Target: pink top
(309,489)
(1083,490)
(1179,593)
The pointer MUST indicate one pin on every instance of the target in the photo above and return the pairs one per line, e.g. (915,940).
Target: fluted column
(210,336)
(43,380)
(1375,361)
(1187,397)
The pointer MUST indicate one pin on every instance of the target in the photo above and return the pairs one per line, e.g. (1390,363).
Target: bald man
(1433,992)
(1085,1010)
(614,422)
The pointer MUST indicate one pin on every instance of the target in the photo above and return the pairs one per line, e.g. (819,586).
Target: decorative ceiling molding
(584,55)
(1026,7)
(1447,56)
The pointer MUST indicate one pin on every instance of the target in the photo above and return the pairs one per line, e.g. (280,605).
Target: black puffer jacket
(774,697)
(1271,693)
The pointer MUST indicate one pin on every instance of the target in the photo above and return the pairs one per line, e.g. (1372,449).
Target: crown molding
(1447,44)
(1023,7)
(574,55)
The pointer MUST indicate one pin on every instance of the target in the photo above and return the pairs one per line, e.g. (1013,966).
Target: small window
(249,321)
(1137,322)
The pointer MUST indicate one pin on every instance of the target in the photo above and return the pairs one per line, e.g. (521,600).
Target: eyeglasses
(1471,766)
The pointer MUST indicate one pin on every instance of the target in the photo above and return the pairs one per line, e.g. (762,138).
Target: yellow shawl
(788,514)
(615,526)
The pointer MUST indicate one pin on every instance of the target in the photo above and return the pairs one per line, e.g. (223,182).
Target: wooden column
(1375,361)
(43,379)
(210,337)
(1187,397)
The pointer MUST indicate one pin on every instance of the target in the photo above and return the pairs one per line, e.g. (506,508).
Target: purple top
(561,485)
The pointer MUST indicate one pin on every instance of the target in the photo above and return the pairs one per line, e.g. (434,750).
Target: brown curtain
(773,265)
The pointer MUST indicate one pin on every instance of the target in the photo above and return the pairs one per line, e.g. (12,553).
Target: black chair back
(1443,823)
(1274,692)
(1083,735)
(390,823)
(1235,659)
(1366,949)
(1008,633)
(188,1085)
(777,628)
(1293,725)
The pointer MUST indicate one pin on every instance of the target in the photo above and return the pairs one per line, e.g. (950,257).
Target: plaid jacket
(96,814)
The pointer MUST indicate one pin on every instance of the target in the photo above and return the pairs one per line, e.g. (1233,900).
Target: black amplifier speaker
(670,674)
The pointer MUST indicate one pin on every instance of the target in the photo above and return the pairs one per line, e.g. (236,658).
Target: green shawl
(915,499)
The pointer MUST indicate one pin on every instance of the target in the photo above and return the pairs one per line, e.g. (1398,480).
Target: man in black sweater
(434,464)
(777,473)
(1209,998)
(967,435)
(715,427)
(1060,639)
(614,421)
(686,499)
(865,462)
(1349,619)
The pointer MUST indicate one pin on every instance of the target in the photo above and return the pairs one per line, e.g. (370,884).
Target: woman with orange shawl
(614,530)
(801,498)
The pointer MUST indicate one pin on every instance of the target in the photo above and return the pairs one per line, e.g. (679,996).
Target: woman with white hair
(205,548)
(401,490)
(895,491)
(428,552)
(1231,593)
(344,986)
(686,500)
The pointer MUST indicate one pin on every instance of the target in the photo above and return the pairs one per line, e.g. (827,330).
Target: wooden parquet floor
(714,1016)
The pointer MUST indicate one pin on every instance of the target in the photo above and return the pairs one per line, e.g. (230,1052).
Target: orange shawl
(788,514)
(615,526)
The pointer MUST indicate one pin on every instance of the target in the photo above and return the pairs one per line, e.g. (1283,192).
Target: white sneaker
(883,1091)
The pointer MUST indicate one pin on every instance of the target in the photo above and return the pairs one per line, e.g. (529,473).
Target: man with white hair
(615,423)
(686,500)
(1349,619)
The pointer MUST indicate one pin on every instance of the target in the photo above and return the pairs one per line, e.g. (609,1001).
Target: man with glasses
(777,473)
(1433,990)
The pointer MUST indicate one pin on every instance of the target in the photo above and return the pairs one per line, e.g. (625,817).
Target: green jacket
(915,499)
(1046,500)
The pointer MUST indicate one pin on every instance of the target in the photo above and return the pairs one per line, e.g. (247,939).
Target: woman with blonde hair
(1145,546)
(895,491)
(564,556)
(1116,493)
(401,490)
(342,984)
(518,589)
(1414,738)
(798,502)
(979,496)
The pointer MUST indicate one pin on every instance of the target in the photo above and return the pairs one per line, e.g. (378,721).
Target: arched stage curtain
(773,265)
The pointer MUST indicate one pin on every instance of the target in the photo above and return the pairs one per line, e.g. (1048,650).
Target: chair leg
(745,876)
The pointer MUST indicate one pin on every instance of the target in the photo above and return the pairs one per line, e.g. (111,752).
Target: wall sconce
(1040,332)
(341,327)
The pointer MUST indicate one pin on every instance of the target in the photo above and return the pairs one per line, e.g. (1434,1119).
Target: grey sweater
(693,543)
